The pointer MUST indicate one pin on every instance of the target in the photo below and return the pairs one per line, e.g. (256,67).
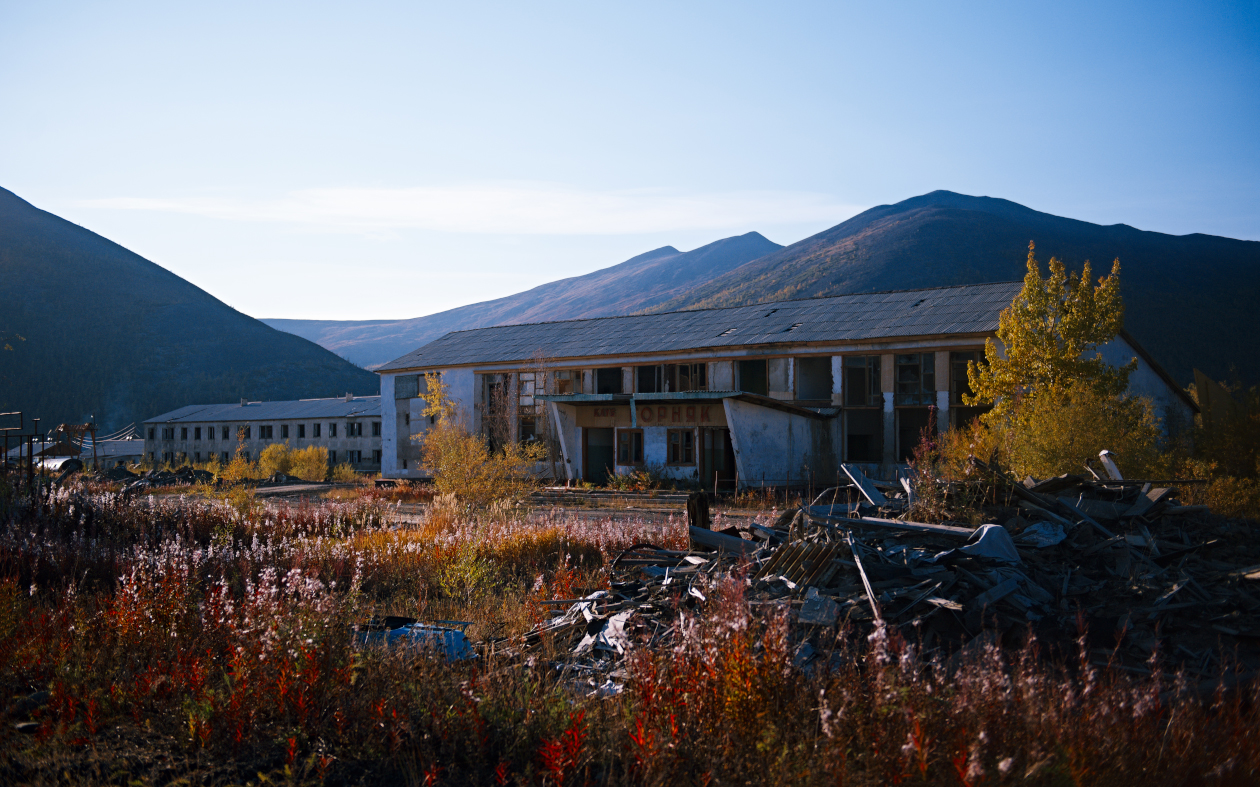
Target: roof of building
(965,309)
(359,406)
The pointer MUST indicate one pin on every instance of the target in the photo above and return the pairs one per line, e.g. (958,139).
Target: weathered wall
(1173,411)
(771,445)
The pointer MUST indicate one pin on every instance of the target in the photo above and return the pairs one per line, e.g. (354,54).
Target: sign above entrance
(673,415)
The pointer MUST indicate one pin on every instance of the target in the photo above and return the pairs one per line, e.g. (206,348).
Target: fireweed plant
(222,638)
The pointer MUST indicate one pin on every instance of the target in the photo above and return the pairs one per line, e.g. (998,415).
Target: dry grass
(183,629)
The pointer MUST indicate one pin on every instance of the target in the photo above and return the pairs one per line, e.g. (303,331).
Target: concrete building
(349,427)
(775,393)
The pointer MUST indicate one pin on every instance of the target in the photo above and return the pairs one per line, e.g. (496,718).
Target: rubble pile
(1143,577)
(160,478)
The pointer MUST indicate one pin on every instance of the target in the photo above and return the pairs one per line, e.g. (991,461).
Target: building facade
(349,427)
(774,394)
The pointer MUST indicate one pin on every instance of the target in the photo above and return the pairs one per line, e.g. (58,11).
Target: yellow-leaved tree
(463,464)
(1056,402)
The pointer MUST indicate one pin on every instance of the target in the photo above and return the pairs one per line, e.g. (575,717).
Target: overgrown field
(165,640)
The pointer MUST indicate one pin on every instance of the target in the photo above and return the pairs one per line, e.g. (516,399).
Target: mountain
(641,283)
(97,330)
(1189,299)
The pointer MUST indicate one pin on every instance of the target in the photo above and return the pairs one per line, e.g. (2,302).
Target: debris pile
(160,478)
(1144,577)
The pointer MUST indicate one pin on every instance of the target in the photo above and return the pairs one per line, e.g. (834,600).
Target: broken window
(284,431)
(686,377)
(376,457)
(168,433)
(813,378)
(315,430)
(608,381)
(183,433)
(680,446)
(151,430)
(647,379)
(210,432)
(224,456)
(224,433)
(301,431)
(265,432)
(916,379)
(753,377)
(376,428)
(332,457)
(353,429)
(629,447)
(862,382)
(960,385)
(911,423)
(332,429)
(568,382)
(528,428)
(197,433)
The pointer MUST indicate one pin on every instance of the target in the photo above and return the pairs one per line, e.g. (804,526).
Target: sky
(390,160)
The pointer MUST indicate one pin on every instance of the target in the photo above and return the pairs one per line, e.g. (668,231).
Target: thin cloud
(508,209)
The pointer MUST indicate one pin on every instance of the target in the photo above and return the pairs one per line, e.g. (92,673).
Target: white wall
(389,428)
(1175,413)
(769,443)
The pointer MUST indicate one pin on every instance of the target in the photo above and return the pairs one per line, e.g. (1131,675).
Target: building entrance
(600,453)
(717,458)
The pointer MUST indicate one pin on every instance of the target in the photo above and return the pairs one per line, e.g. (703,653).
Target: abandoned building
(349,427)
(774,393)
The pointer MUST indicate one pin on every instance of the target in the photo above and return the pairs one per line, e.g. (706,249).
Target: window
(168,433)
(960,385)
(197,457)
(407,419)
(862,382)
(753,377)
(197,434)
(404,464)
(686,377)
(376,457)
(243,432)
(151,430)
(813,378)
(224,457)
(332,457)
(284,431)
(356,457)
(629,447)
(647,379)
(225,433)
(183,433)
(265,432)
(301,431)
(376,428)
(681,446)
(568,382)
(354,429)
(608,381)
(916,379)
(528,428)
(246,455)
(315,430)
(332,430)
(210,432)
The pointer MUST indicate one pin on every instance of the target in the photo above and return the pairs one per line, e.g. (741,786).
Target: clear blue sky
(386,160)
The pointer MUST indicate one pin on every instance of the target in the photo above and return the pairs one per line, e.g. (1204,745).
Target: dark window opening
(210,432)
(568,382)
(301,431)
(528,429)
(862,382)
(686,377)
(376,428)
(916,379)
(647,379)
(753,377)
(376,456)
(332,430)
(284,431)
(315,429)
(864,435)
(608,381)
(911,423)
(265,432)
(960,385)
(224,433)
(183,433)
(197,433)
(813,378)
(151,436)
(629,447)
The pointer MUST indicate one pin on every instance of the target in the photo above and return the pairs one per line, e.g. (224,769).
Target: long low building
(349,427)
(774,393)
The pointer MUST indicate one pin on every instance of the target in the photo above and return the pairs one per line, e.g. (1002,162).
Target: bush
(275,458)
(309,464)
(344,473)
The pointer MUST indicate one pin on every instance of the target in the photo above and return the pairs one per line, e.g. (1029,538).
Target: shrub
(344,473)
(310,463)
(275,458)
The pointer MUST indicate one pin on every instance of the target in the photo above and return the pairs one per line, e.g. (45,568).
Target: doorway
(600,452)
(717,458)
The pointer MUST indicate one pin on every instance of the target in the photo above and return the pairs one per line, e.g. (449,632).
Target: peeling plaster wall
(769,444)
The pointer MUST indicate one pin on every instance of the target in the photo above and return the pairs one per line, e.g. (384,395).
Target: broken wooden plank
(897,524)
(720,541)
(870,594)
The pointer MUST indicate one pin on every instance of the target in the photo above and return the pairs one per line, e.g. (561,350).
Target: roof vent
(772,311)
(793,327)
(725,332)
(244,402)
(916,303)
(349,396)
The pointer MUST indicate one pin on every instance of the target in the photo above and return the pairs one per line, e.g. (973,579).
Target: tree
(1049,331)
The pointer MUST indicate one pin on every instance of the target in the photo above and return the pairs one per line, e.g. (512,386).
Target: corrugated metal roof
(965,309)
(359,406)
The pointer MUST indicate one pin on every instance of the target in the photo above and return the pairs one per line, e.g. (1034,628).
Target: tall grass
(229,634)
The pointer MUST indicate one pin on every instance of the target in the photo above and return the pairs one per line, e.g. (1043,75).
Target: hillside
(110,334)
(641,283)
(1190,299)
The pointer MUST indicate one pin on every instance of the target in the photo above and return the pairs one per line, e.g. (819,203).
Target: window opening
(629,447)
(916,379)
(681,446)
(862,382)
(608,381)
(753,377)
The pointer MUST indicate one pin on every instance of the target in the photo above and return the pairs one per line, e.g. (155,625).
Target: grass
(181,638)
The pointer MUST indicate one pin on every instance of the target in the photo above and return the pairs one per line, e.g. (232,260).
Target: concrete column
(837,380)
(627,379)
(887,378)
(944,380)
